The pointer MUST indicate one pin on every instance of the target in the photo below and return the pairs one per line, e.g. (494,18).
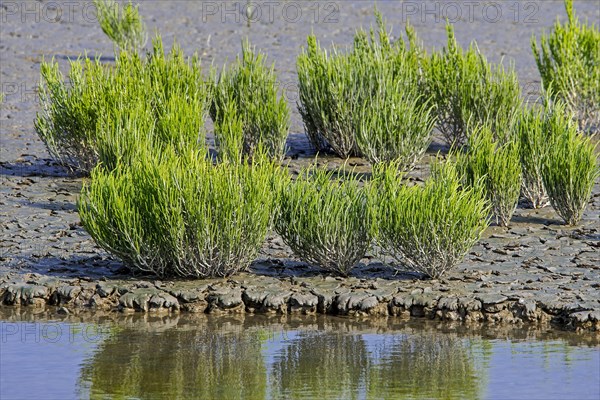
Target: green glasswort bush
(395,123)
(568,60)
(569,167)
(497,167)
(467,90)
(162,96)
(175,213)
(325,220)
(123,25)
(250,88)
(428,228)
(368,101)
(532,130)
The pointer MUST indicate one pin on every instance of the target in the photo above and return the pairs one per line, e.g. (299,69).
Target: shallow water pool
(172,357)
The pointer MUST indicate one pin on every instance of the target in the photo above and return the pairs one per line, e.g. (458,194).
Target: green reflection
(320,365)
(238,360)
(425,366)
(178,364)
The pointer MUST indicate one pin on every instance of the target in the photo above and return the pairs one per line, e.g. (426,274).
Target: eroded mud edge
(246,293)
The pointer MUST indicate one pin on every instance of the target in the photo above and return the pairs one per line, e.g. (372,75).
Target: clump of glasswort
(249,90)
(569,167)
(495,166)
(123,25)
(532,133)
(427,228)
(467,90)
(101,112)
(174,213)
(368,101)
(569,63)
(325,219)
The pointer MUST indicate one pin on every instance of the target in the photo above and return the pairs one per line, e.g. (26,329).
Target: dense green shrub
(123,25)
(395,122)
(325,220)
(172,214)
(368,101)
(160,98)
(467,90)
(533,134)
(428,228)
(569,63)
(250,88)
(569,167)
(327,105)
(497,167)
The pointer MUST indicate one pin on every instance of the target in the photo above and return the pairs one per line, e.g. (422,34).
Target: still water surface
(207,357)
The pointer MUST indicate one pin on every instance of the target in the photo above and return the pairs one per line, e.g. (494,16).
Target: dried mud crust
(536,272)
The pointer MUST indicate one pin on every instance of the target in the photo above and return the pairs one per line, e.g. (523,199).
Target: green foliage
(325,220)
(229,134)
(123,25)
(497,167)
(468,91)
(180,215)
(367,101)
(249,89)
(568,60)
(102,112)
(428,228)
(533,135)
(570,166)
(395,123)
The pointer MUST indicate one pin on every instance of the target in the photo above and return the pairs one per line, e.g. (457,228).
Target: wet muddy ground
(538,270)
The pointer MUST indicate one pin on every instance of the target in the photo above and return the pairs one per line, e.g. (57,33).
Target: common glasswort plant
(325,220)
(175,213)
(123,25)
(569,167)
(496,166)
(428,228)
(533,142)
(568,59)
(249,89)
(103,111)
(467,90)
(368,101)
(395,121)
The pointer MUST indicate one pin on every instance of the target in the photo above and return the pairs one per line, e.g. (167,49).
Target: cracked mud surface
(538,270)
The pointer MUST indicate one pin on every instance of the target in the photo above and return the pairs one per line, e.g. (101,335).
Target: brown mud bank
(471,298)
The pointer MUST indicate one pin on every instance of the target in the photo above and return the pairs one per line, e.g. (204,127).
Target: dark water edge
(259,357)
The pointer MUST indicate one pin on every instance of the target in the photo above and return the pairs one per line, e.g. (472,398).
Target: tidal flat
(537,271)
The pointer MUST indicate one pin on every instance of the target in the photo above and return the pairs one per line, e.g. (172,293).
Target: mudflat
(537,271)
